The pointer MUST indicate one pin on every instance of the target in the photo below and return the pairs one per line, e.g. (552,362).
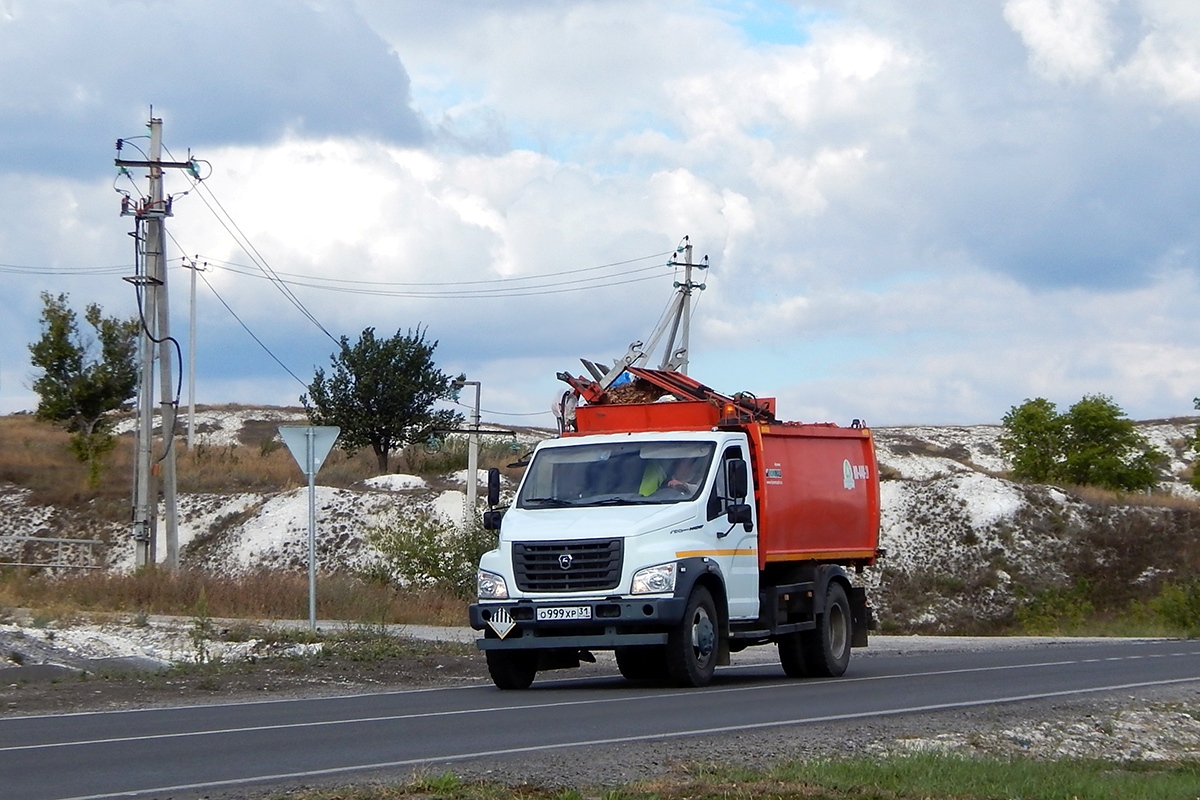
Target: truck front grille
(567,566)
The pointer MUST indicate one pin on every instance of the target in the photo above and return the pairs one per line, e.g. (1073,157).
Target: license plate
(564,612)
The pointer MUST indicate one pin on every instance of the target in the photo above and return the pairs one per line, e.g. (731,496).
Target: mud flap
(861,618)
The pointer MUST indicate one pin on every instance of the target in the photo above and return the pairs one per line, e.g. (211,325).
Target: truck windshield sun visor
(617,474)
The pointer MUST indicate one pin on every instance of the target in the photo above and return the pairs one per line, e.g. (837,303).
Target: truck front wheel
(643,663)
(692,645)
(827,649)
(512,669)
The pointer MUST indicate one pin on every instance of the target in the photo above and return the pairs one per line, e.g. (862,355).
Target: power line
(29,269)
(560,287)
(504,413)
(231,265)
(245,327)
(243,241)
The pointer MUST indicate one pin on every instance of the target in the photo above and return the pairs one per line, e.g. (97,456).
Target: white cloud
(1166,62)
(905,221)
(1070,40)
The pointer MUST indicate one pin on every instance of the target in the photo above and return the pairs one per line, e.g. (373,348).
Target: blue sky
(914,212)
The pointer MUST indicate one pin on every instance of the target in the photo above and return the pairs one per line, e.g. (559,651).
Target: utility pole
(154,308)
(680,315)
(678,320)
(472,454)
(191,434)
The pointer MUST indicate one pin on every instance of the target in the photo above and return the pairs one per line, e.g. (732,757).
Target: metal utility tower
(149,235)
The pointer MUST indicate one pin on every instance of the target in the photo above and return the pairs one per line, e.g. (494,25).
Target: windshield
(624,473)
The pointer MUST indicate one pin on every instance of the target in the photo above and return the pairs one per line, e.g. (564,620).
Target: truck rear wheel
(512,669)
(791,655)
(827,649)
(643,663)
(692,645)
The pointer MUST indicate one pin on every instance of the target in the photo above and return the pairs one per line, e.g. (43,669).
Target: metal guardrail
(63,550)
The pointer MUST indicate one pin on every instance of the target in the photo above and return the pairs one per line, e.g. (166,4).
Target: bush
(425,550)
(1178,605)
(1057,611)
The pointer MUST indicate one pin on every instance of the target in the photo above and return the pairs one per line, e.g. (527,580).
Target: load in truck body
(675,533)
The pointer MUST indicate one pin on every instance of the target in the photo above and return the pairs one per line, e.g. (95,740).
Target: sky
(913,213)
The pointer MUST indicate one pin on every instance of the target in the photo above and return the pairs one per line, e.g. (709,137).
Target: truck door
(736,548)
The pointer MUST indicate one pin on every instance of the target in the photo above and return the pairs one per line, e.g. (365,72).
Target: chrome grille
(592,564)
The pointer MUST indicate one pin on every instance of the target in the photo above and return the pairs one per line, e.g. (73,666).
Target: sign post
(309,445)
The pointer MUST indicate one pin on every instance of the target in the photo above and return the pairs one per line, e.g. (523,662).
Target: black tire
(693,645)
(644,663)
(827,649)
(512,669)
(791,655)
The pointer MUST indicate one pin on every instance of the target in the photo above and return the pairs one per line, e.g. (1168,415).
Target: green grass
(916,777)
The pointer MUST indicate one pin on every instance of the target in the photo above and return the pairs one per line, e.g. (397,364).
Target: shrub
(1178,605)
(425,550)
(1057,611)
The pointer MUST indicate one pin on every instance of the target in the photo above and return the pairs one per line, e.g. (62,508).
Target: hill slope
(965,547)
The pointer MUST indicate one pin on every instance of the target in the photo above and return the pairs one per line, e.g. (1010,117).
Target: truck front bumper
(613,622)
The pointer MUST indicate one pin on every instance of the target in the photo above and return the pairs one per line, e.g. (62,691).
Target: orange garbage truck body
(676,529)
(819,495)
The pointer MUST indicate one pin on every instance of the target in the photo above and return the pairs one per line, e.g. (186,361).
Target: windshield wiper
(616,501)
(547,501)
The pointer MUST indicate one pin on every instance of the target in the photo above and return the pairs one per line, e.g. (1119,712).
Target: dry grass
(258,595)
(35,455)
(1095,495)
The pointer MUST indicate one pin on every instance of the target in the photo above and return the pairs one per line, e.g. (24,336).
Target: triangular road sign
(297,439)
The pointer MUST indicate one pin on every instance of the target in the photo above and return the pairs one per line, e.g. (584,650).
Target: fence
(49,552)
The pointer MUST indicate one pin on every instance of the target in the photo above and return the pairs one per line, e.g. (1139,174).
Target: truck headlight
(654,580)
(491,586)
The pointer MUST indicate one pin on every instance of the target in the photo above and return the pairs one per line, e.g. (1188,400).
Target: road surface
(181,751)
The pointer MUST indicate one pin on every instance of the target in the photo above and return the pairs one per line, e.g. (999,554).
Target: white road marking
(572,703)
(618,740)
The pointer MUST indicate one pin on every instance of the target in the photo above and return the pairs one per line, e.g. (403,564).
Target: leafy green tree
(1103,447)
(1196,447)
(1092,444)
(1033,439)
(381,393)
(78,386)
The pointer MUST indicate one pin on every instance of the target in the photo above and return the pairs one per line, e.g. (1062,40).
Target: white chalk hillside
(963,543)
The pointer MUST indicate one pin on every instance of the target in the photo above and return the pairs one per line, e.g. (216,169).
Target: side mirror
(739,512)
(492,520)
(737,478)
(493,489)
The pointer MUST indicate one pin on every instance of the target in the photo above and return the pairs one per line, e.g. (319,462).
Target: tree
(1033,439)
(381,393)
(1103,447)
(1196,447)
(1092,444)
(78,387)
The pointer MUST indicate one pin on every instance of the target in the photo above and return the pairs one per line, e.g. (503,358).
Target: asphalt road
(180,751)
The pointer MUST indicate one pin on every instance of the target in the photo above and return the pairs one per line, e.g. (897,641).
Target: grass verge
(917,777)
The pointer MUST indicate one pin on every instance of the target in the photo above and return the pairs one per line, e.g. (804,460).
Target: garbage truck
(674,526)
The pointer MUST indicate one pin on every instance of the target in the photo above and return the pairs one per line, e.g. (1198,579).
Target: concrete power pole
(472,455)
(677,322)
(157,344)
